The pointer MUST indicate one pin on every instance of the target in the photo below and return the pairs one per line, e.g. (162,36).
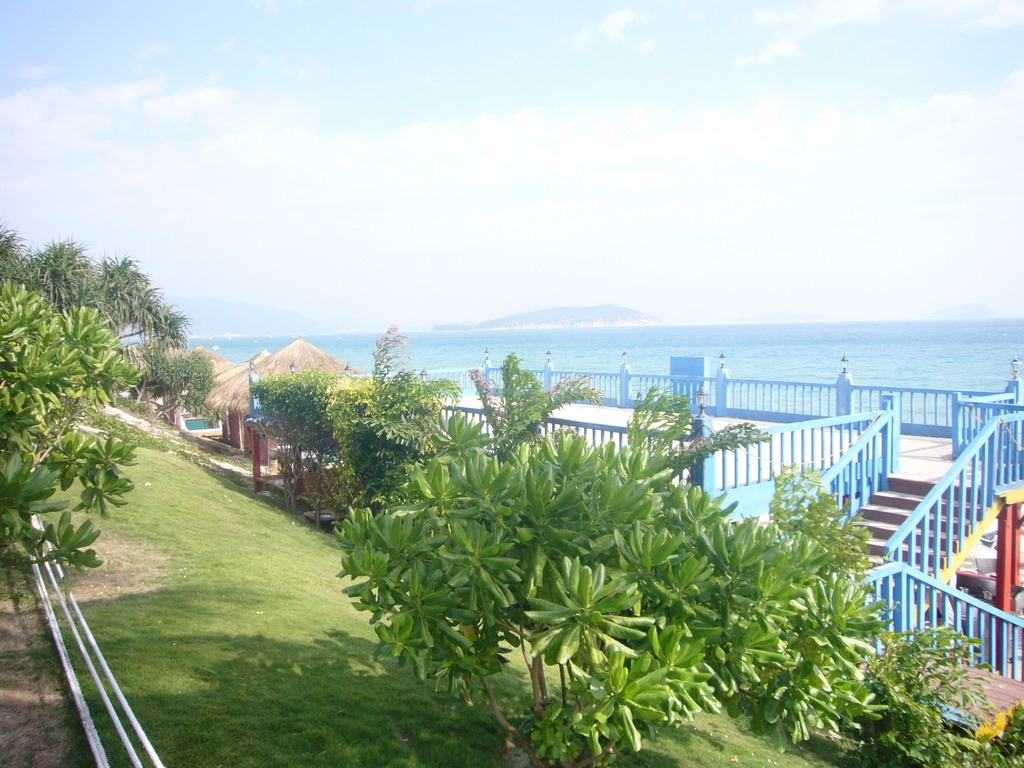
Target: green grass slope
(227,628)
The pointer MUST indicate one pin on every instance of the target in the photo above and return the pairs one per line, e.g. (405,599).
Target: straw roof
(231,395)
(220,364)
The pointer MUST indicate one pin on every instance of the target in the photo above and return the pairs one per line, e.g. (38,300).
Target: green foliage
(181,379)
(662,421)
(295,412)
(516,410)
(634,601)
(66,277)
(53,370)
(918,677)
(801,504)
(384,425)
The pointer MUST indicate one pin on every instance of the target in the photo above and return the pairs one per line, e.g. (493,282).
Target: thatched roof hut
(231,395)
(220,363)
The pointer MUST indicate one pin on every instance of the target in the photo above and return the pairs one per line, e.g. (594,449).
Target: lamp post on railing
(702,400)
(703,474)
(487,365)
(548,370)
(722,397)
(424,376)
(844,389)
(1016,385)
(624,373)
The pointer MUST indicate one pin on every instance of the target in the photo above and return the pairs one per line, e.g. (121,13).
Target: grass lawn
(225,624)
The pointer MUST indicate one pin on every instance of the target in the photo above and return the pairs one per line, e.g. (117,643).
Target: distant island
(602,316)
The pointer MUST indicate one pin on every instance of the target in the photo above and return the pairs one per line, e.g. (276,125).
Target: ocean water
(948,354)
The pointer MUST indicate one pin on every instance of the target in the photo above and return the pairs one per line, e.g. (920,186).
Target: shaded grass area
(38,723)
(225,623)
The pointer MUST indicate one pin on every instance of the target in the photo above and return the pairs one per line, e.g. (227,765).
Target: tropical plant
(802,504)
(516,408)
(55,368)
(384,425)
(663,422)
(633,601)
(178,378)
(293,409)
(64,274)
(921,677)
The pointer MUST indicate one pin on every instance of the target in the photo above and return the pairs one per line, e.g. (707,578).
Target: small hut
(220,363)
(231,395)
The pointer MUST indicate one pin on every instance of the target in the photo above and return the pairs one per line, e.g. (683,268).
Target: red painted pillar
(1008,556)
(257,457)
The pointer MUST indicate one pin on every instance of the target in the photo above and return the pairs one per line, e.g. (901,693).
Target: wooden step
(910,485)
(883,514)
(895,499)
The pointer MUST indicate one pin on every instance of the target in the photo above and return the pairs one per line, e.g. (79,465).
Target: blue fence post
(891,436)
(901,613)
(1015,386)
(722,399)
(957,423)
(624,373)
(548,370)
(844,390)
(487,365)
(705,475)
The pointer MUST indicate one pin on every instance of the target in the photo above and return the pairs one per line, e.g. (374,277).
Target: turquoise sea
(948,354)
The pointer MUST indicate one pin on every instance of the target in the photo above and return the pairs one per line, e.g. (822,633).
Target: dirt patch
(38,721)
(129,568)
(35,718)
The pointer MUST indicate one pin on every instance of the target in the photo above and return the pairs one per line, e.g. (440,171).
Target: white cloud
(778,49)
(583,39)
(36,72)
(194,179)
(614,25)
(152,50)
(980,13)
(224,47)
(814,16)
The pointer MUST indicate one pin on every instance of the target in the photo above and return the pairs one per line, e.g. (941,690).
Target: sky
(439,161)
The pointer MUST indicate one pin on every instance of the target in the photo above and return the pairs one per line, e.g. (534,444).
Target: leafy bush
(181,379)
(295,412)
(53,370)
(801,504)
(384,425)
(516,410)
(663,422)
(919,677)
(633,601)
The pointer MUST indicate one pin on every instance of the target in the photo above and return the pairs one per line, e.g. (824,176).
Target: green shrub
(634,602)
(384,425)
(802,504)
(919,677)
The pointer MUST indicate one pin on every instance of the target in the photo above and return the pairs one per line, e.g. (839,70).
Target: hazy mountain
(602,316)
(215,317)
(965,312)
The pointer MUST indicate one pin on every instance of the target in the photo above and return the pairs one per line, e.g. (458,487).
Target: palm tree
(63,274)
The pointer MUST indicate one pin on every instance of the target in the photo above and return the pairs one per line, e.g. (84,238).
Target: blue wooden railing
(994,460)
(970,414)
(747,475)
(915,600)
(865,467)
(595,434)
(923,411)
